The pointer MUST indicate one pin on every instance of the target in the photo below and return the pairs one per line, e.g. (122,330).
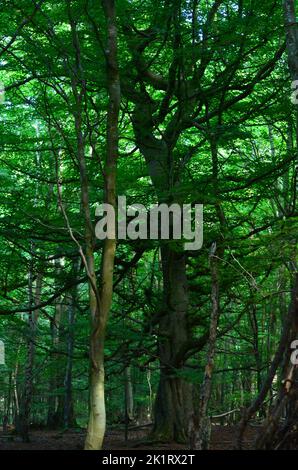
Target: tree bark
(129,401)
(101,302)
(26,399)
(52,420)
(278,435)
(68,411)
(284,345)
(201,432)
(173,400)
(291,36)
(275,434)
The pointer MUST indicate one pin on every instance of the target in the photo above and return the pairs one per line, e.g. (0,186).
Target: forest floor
(223,438)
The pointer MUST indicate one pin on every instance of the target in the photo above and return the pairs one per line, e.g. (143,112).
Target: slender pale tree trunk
(103,301)
(100,298)
(96,424)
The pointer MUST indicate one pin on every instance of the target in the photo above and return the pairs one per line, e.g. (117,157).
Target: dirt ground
(223,438)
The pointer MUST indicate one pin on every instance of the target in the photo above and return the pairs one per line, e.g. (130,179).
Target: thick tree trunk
(173,401)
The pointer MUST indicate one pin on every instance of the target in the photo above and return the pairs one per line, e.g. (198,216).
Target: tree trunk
(277,434)
(284,346)
(129,402)
(68,411)
(26,399)
(103,301)
(52,422)
(16,406)
(201,432)
(100,298)
(174,398)
(291,36)
(173,401)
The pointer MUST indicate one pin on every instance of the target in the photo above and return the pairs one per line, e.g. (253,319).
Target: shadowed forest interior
(135,341)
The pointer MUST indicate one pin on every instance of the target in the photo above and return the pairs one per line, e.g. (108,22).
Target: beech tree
(169,102)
